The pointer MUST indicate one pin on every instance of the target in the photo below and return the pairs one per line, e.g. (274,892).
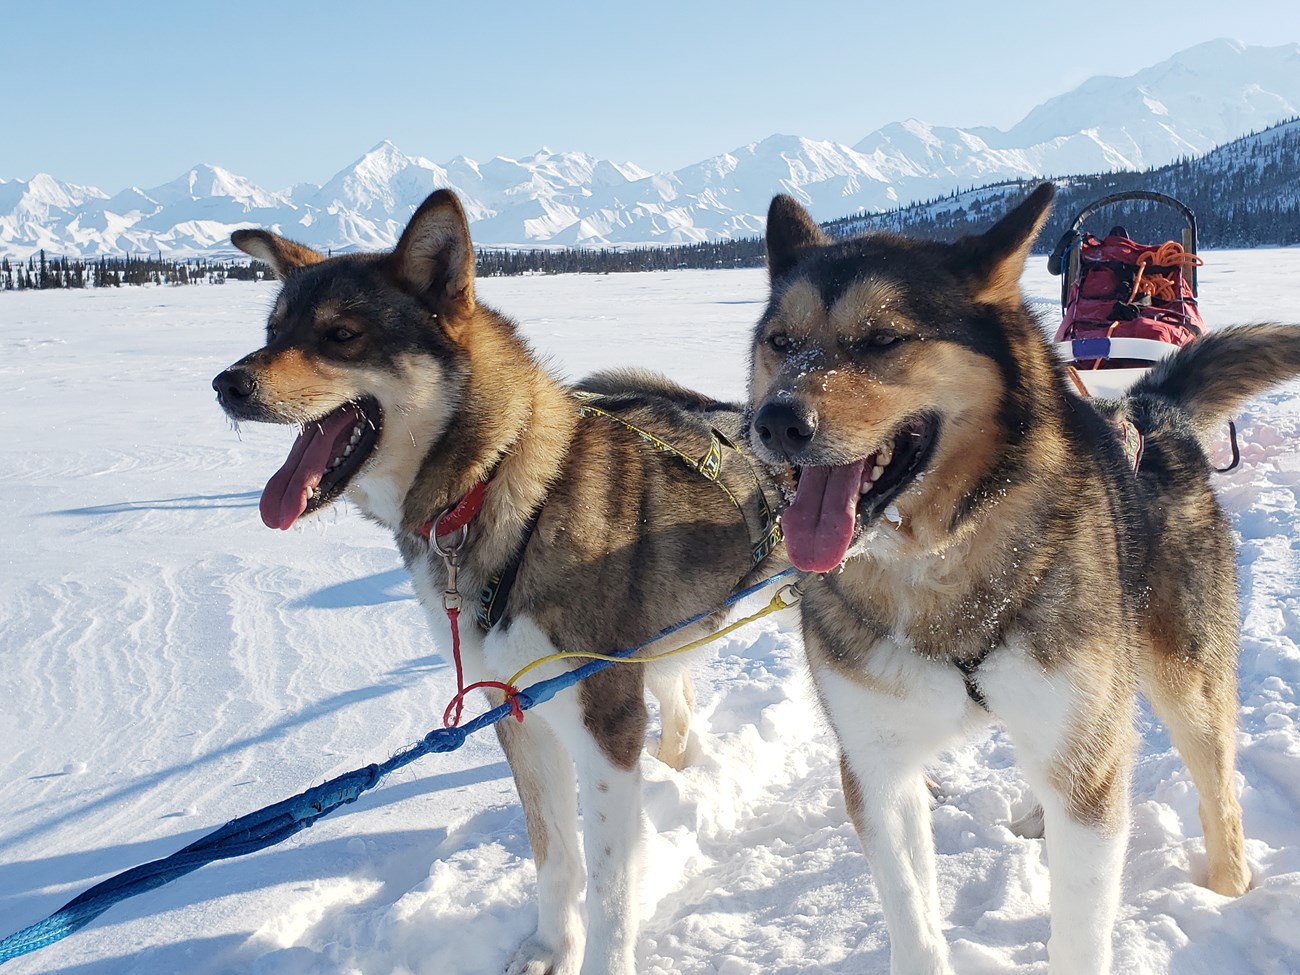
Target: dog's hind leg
(671,686)
(1198,703)
(543,775)
(1188,663)
(1074,738)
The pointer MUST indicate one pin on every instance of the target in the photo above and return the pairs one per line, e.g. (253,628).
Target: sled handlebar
(1072,233)
(1149,195)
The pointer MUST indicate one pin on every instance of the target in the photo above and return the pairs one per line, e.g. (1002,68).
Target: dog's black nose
(785,427)
(234,385)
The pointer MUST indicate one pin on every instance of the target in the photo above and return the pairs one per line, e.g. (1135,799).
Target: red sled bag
(1124,305)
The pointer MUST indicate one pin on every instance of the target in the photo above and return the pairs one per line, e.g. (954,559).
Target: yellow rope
(779,602)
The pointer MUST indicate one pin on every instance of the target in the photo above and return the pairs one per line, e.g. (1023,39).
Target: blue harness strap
(277,822)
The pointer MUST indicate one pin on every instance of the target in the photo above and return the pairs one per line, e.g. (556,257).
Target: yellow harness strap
(708,466)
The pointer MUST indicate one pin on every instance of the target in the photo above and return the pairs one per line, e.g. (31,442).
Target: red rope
(451,716)
(449,521)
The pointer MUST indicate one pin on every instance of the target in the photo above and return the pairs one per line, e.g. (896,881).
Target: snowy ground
(170,664)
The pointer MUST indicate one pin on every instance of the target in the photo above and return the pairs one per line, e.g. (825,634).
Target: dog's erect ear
(283,255)
(435,256)
(790,231)
(995,260)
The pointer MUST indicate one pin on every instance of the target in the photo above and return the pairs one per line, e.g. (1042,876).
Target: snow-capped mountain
(1184,106)
(1258,173)
(1197,99)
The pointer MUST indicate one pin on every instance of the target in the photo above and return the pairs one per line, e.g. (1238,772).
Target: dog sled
(1124,305)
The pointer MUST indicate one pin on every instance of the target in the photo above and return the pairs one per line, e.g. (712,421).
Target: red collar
(458,515)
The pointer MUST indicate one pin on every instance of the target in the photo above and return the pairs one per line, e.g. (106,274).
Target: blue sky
(135,93)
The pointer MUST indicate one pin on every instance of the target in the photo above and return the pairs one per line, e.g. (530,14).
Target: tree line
(38,273)
(747,252)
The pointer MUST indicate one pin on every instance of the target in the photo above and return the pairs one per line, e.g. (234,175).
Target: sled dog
(984,549)
(608,512)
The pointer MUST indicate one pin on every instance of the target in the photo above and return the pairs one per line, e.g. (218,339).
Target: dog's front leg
(1086,860)
(892,817)
(611,817)
(604,724)
(544,777)
(1074,739)
(884,746)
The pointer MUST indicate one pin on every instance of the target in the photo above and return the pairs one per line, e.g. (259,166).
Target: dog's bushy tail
(1213,376)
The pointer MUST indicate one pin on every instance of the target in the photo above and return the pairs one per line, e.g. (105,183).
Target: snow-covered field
(169,664)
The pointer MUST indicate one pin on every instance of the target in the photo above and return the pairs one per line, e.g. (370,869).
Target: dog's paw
(674,756)
(1030,825)
(536,957)
(1230,880)
(681,754)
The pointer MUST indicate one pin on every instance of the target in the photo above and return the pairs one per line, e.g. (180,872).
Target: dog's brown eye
(883,338)
(779,341)
(342,334)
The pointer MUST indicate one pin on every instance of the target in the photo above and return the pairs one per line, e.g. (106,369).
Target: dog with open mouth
(982,548)
(587,518)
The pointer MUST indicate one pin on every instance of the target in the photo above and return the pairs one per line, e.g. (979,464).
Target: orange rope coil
(1161,286)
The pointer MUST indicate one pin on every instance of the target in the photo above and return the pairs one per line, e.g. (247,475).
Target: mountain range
(1184,106)
(1245,193)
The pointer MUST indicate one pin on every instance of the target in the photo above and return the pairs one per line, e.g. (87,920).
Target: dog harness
(495,594)
(1132,440)
(765,529)
(709,466)
(448,531)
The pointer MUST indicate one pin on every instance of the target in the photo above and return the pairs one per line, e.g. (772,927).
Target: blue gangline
(277,822)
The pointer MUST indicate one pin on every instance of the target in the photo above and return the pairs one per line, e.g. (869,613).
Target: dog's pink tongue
(285,496)
(818,526)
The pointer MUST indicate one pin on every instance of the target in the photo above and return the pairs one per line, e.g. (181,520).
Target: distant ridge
(1244,194)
